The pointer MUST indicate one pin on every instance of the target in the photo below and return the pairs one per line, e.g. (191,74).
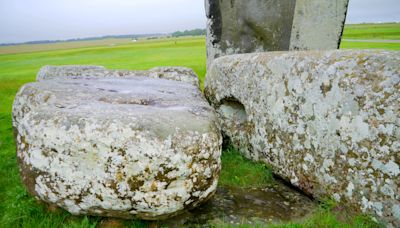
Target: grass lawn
(387,31)
(17,209)
(369,45)
(24,48)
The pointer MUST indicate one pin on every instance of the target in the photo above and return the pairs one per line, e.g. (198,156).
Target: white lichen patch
(328,121)
(133,147)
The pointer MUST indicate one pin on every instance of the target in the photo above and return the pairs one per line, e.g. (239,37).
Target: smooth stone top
(87,71)
(149,102)
(169,93)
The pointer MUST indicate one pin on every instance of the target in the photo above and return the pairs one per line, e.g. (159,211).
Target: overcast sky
(27,20)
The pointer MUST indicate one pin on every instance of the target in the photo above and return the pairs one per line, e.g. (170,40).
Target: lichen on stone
(327,121)
(127,147)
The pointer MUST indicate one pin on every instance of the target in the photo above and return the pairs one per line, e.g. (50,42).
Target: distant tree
(194,32)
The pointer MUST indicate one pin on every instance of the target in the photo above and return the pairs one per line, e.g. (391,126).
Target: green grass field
(387,31)
(19,65)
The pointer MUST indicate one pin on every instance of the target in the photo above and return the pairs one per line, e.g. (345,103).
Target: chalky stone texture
(121,146)
(327,121)
(272,25)
(182,74)
(318,24)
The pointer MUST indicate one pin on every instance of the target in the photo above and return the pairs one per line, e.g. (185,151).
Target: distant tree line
(194,32)
(131,36)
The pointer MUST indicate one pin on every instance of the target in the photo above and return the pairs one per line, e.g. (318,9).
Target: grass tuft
(240,171)
(328,216)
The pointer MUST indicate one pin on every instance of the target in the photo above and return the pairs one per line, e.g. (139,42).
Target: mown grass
(17,209)
(106,43)
(385,31)
(24,48)
(369,45)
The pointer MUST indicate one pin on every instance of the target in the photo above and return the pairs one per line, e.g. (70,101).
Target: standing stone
(272,25)
(326,121)
(318,24)
(123,144)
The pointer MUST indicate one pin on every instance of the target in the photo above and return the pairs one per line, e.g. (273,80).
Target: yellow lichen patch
(119,176)
(154,186)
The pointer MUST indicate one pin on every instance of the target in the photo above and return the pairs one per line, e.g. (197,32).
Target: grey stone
(318,24)
(123,146)
(182,74)
(235,27)
(269,205)
(327,121)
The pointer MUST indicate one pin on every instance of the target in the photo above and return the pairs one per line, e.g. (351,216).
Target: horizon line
(126,36)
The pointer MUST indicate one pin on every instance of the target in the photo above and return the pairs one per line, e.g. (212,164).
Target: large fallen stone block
(127,147)
(327,121)
(273,25)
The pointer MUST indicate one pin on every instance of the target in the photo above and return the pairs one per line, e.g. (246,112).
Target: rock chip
(235,27)
(123,144)
(327,121)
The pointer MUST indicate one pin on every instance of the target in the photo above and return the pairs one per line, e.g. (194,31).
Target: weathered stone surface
(231,206)
(182,74)
(318,24)
(327,121)
(134,147)
(265,206)
(248,26)
(272,25)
